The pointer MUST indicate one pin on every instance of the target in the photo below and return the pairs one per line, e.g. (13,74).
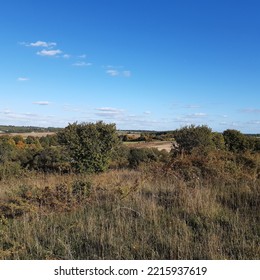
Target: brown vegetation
(193,203)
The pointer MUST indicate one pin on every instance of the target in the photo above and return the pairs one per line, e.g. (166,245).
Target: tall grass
(148,213)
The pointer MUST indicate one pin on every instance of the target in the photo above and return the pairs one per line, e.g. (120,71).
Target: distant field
(160,145)
(26,134)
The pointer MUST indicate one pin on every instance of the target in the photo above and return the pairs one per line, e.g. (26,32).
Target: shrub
(190,137)
(236,141)
(89,145)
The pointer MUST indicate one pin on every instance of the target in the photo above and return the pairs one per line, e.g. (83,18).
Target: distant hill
(26,129)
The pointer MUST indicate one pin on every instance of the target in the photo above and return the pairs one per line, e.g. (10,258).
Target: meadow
(180,206)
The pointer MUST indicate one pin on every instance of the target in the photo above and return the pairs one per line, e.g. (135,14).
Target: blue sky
(142,64)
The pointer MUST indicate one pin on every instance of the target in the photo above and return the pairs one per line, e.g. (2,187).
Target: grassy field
(148,213)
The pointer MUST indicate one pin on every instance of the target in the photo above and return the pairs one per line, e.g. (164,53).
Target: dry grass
(129,214)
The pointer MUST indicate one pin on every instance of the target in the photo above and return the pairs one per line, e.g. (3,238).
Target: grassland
(152,212)
(86,195)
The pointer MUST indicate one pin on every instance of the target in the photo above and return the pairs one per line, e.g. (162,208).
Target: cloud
(81,64)
(200,114)
(42,44)
(147,112)
(30,118)
(42,103)
(66,56)
(108,109)
(108,112)
(22,79)
(82,56)
(112,72)
(197,115)
(250,110)
(49,52)
(7,112)
(115,71)
(192,106)
(254,122)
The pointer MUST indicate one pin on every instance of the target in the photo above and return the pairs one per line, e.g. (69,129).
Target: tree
(218,140)
(89,145)
(190,137)
(236,141)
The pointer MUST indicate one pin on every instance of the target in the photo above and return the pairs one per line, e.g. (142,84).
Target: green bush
(236,141)
(190,137)
(89,145)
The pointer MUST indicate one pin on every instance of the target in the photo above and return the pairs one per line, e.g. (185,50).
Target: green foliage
(119,157)
(89,145)
(18,138)
(236,141)
(8,155)
(146,155)
(52,159)
(10,169)
(256,144)
(218,140)
(81,189)
(190,137)
(7,149)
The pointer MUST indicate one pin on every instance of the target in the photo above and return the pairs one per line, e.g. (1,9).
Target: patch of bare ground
(160,145)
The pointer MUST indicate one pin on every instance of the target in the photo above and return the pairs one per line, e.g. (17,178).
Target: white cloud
(66,56)
(192,106)
(82,56)
(147,112)
(200,114)
(108,109)
(197,115)
(42,103)
(250,110)
(112,72)
(254,122)
(81,64)
(42,44)
(22,79)
(108,112)
(7,112)
(49,52)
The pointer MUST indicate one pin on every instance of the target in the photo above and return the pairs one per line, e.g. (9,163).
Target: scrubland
(82,194)
(193,206)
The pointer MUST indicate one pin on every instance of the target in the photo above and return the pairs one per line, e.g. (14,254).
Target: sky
(141,64)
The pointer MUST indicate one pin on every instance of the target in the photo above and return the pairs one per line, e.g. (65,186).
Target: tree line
(95,147)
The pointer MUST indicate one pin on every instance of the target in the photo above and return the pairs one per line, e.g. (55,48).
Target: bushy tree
(89,145)
(52,159)
(256,144)
(190,137)
(236,141)
(137,156)
(218,140)
(7,149)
